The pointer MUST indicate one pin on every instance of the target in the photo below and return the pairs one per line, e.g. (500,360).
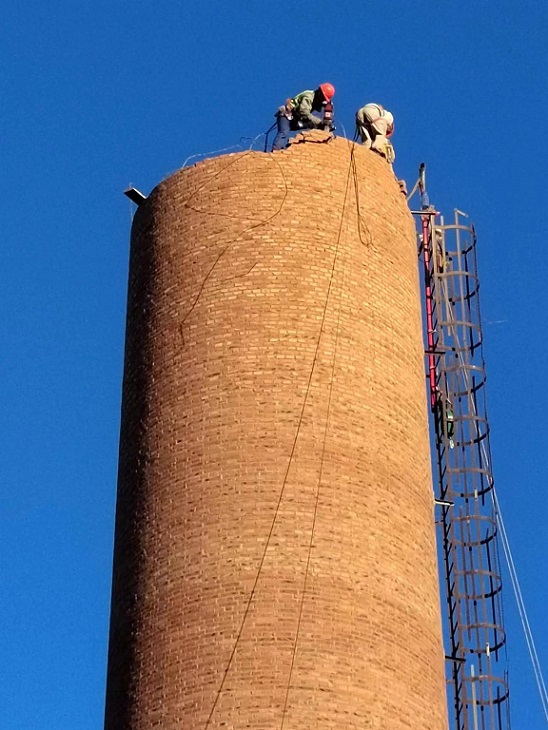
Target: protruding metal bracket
(136,196)
(456,659)
(443,503)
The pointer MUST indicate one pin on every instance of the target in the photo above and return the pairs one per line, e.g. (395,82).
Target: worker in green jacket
(298,113)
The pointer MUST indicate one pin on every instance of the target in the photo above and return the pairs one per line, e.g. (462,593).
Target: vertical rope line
(322,458)
(533,655)
(286,475)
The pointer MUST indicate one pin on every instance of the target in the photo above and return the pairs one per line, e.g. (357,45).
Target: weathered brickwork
(274,558)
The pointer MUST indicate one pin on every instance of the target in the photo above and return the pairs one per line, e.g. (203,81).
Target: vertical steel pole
(426,221)
(426,228)
(474,705)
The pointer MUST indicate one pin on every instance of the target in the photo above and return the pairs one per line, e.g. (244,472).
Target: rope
(229,244)
(254,139)
(282,491)
(358,206)
(219,172)
(213,152)
(322,458)
(357,186)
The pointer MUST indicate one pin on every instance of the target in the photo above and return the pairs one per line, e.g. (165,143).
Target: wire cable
(233,161)
(230,243)
(521,606)
(413,190)
(322,457)
(281,494)
(213,152)
(504,537)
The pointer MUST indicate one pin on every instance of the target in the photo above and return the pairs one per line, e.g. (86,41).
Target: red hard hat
(328,90)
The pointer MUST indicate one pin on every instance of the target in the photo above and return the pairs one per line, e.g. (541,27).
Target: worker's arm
(360,116)
(305,112)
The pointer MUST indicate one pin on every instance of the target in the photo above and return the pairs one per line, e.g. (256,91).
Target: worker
(375,126)
(298,113)
(447,414)
(443,259)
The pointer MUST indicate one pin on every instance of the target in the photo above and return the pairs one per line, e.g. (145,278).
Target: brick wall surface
(274,557)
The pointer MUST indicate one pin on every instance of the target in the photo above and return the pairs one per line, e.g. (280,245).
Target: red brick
(274,530)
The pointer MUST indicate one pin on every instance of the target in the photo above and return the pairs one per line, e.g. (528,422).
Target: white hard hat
(389,118)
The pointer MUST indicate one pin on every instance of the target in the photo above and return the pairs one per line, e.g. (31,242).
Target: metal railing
(467,527)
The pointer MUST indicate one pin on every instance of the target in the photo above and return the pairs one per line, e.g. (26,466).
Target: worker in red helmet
(297,113)
(375,125)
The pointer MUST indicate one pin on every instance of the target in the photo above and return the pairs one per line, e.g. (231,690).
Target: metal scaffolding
(466,521)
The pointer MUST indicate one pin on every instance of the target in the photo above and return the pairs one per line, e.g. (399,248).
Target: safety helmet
(390,119)
(328,91)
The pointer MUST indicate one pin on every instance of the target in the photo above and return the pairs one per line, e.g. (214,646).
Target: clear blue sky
(95,95)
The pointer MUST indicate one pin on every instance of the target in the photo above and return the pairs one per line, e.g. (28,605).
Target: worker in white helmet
(375,125)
